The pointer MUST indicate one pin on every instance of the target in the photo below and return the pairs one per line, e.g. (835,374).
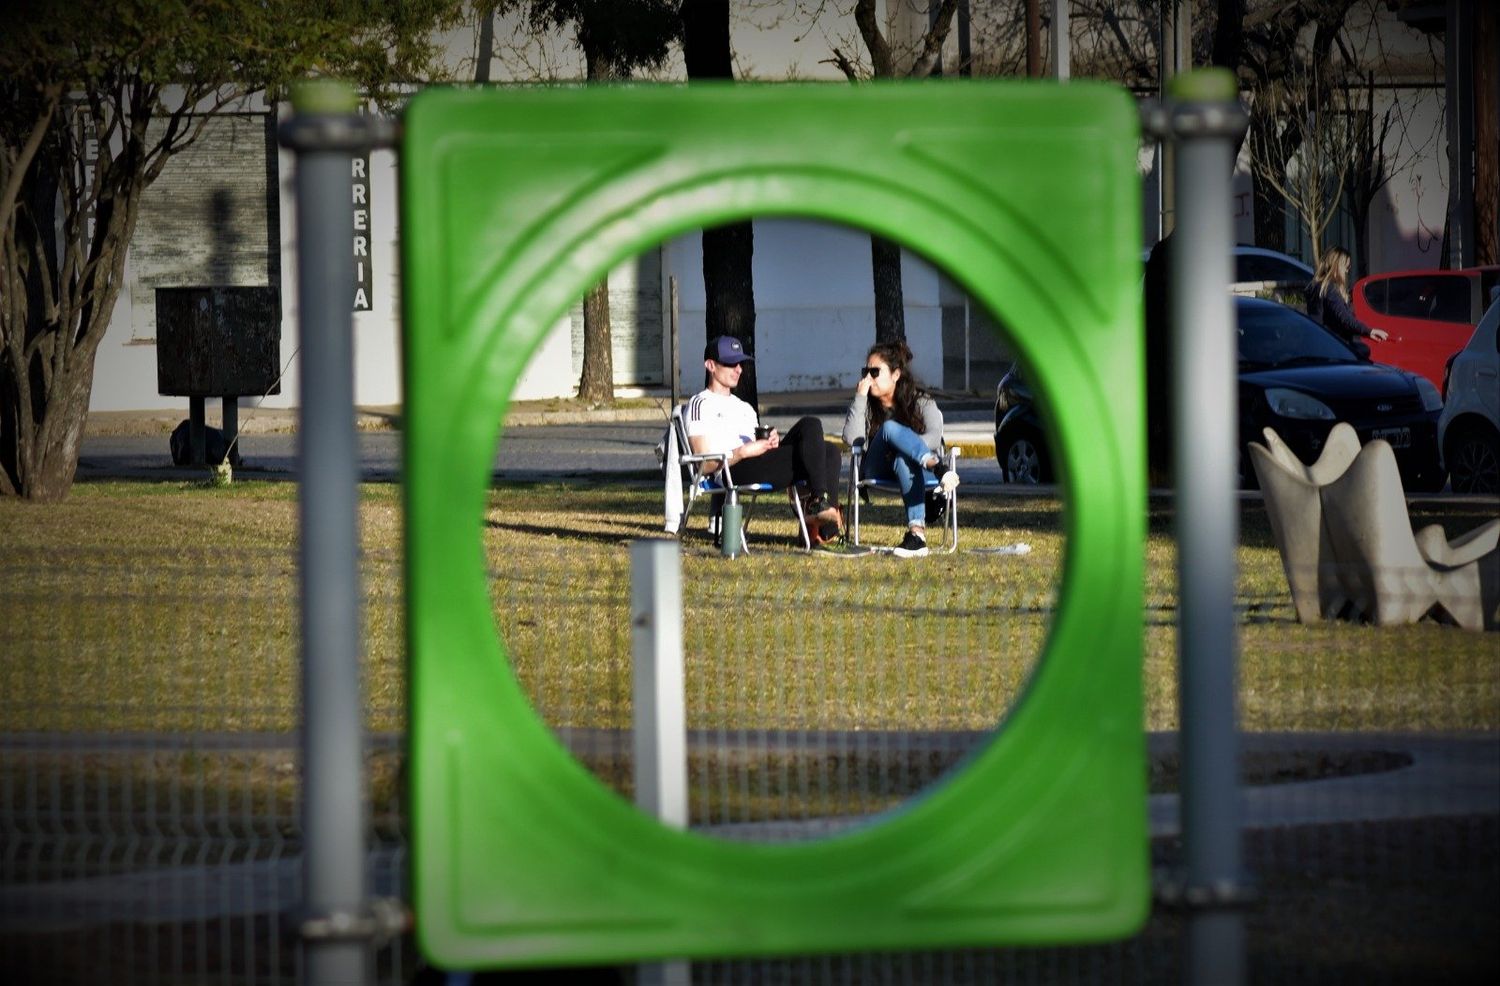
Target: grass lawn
(159,607)
(137,606)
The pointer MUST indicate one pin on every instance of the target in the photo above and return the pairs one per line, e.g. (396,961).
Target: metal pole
(659,703)
(674,365)
(1205,120)
(1458,62)
(229,417)
(656,649)
(1061,55)
(334,805)
(1176,57)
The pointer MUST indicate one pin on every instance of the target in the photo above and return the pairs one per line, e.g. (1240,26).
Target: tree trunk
(885,256)
(1229,35)
(728,251)
(890,306)
(730,288)
(1487,134)
(1270,205)
(1033,39)
(59,437)
(1359,218)
(596,385)
(44,399)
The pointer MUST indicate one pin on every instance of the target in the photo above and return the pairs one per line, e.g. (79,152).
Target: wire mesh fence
(149,764)
(149,805)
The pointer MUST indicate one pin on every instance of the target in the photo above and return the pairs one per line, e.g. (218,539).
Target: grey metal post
(334,807)
(229,417)
(674,365)
(659,703)
(656,651)
(1205,119)
(1058,38)
(1458,65)
(1176,25)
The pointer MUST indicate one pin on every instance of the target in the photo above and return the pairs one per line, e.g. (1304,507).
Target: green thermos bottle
(731,526)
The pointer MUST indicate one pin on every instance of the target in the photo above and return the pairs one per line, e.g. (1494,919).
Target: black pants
(802,456)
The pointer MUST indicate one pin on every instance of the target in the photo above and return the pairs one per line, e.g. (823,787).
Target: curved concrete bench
(1292,493)
(1394,576)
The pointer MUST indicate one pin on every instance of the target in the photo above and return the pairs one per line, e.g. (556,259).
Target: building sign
(360,185)
(211,218)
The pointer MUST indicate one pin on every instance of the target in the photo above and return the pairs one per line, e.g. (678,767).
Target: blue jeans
(896,452)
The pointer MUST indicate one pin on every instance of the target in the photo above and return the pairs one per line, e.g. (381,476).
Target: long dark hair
(903,408)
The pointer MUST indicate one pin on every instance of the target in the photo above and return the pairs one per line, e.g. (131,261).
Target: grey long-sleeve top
(932,421)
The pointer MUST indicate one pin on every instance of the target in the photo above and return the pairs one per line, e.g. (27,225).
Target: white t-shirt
(725,420)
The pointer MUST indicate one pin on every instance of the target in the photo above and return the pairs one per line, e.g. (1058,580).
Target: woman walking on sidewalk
(903,433)
(1327,297)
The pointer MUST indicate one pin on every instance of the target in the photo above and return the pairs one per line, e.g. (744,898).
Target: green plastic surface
(324,96)
(513,205)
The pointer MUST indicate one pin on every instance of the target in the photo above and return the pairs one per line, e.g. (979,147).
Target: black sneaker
(911,546)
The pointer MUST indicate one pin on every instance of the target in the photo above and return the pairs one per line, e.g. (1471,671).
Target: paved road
(526,452)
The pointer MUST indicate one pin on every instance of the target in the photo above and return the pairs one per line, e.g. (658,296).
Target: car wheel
(1474,461)
(1428,479)
(1024,460)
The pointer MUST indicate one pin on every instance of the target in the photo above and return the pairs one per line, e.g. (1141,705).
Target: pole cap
(324,96)
(1204,85)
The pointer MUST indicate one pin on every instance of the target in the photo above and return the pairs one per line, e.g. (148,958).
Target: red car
(1429,314)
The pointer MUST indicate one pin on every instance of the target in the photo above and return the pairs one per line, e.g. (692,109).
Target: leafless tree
(1306,148)
(616,37)
(95,101)
(888,62)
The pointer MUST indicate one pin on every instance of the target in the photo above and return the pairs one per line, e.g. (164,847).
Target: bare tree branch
(840,60)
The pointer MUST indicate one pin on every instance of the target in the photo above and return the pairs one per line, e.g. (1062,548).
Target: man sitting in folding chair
(719,422)
(895,427)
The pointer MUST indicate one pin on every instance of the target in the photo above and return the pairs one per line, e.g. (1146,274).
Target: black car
(1295,377)
(1020,446)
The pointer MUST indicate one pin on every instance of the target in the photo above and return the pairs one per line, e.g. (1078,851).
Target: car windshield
(1274,335)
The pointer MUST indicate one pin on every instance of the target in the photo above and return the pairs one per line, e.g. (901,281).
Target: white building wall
(814,299)
(1407,216)
(814,306)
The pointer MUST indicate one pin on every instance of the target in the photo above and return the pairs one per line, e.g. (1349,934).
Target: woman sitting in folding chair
(903,433)
(718,421)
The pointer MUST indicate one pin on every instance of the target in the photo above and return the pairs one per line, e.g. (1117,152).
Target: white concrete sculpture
(1391,575)
(1292,493)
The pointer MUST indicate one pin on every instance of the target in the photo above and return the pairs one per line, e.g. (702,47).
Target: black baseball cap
(727,351)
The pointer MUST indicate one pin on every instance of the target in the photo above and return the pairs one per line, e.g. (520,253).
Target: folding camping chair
(860,486)
(688,482)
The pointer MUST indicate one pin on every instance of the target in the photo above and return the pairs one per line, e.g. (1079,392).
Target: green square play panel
(514,204)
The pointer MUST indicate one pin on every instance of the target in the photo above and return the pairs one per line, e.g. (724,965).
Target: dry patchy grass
(136,606)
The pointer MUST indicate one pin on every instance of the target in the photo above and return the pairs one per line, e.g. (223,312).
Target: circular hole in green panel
(821,689)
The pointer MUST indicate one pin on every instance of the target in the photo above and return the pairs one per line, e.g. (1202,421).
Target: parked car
(1020,446)
(1258,270)
(1294,376)
(1469,428)
(1429,314)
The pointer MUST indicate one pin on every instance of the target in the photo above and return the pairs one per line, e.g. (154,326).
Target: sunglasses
(871,371)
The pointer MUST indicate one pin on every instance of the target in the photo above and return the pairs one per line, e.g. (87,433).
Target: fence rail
(149,756)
